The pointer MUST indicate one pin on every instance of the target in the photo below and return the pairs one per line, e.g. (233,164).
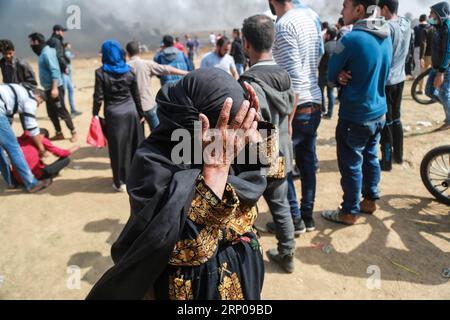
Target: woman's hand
(222,145)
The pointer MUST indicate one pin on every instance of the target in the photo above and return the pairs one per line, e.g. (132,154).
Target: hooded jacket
(367,53)
(175,58)
(56,42)
(440,44)
(276,96)
(401,39)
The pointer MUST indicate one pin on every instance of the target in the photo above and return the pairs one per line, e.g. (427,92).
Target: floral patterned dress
(218,256)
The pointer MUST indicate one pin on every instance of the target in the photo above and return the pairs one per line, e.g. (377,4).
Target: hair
(365,3)
(237,31)
(423,18)
(39,93)
(37,37)
(332,32)
(259,31)
(133,48)
(341,21)
(392,5)
(6,45)
(66,44)
(45,133)
(223,41)
(168,41)
(325,25)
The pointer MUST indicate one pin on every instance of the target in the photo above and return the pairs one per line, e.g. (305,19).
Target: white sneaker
(121,189)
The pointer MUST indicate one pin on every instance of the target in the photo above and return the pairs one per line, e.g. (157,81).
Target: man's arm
(55,72)
(176,72)
(28,116)
(338,61)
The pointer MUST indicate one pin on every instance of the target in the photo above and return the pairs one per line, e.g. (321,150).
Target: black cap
(59,27)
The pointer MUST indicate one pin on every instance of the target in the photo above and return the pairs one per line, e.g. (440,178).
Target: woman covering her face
(190,235)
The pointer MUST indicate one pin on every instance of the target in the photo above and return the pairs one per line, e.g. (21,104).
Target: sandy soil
(76,220)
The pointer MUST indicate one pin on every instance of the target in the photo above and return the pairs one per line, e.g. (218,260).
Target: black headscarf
(161,192)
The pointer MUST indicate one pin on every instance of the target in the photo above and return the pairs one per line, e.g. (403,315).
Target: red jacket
(31,153)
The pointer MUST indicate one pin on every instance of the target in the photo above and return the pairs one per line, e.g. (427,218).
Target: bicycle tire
(421,99)
(425,169)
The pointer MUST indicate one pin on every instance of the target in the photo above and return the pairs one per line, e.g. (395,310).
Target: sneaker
(310,225)
(340,217)
(299,227)
(76,114)
(43,184)
(286,262)
(58,137)
(120,189)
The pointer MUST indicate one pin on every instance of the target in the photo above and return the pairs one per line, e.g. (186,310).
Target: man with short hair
(144,71)
(273,87)
(297,49)
(171,56)
(52,80)
(237,52)
(14,99)
(420,42)
(361,64)
(56,42)
(392,136)
(190,45)
(438,86)
(220,58)
(15,70)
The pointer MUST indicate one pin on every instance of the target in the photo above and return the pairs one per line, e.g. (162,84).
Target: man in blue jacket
(361,65)
(438,85)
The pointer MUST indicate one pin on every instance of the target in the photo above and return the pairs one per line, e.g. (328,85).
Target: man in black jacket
(237,52)
(56,42)
(15,70)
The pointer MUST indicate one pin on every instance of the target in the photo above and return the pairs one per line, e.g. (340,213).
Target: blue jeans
(357,153)
(152,119)
(331,100)
(292,196)
(68,84)
(8,143)
(304,139)
(442,95)
(240,69)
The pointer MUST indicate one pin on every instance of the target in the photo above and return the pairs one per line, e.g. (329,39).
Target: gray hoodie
(401,38)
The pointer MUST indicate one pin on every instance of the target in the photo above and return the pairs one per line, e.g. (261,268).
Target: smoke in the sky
(145,20)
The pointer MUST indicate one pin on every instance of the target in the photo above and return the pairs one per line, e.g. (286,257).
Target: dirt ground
(76,220)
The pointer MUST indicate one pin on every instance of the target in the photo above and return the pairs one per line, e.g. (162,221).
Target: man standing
(144,71)
(420,41)
(438,85)
(297,49)
(273,87)
(220,58)
(392,136)
(15,70)
(237,52)
(190,45)
(171,56)
(51,79)
(56,42)
(361,64)
(14,99)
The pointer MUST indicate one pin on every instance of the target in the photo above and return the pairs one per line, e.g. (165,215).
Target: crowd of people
(271,73)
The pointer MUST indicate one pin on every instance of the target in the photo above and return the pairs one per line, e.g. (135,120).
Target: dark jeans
(276,198)
(392,135)
(304,139)
(292,196)
(357,153)
(55,168)
(331,99)
(57,110)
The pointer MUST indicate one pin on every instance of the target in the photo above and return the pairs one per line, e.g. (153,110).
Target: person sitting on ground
(144,71)
(14,99)
(220,58)
(15,70)
(40,170)
(171,56)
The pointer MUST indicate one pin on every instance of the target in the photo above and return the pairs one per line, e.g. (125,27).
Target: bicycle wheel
(421,98)
(435,173)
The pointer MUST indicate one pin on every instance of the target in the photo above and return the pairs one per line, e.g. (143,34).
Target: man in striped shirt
(298,48)
(16,99)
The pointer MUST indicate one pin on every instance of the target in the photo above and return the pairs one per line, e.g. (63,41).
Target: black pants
(392,135)
(57,109)
(55,168)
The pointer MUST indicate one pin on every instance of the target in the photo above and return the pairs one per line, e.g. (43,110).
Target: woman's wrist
(216,178)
